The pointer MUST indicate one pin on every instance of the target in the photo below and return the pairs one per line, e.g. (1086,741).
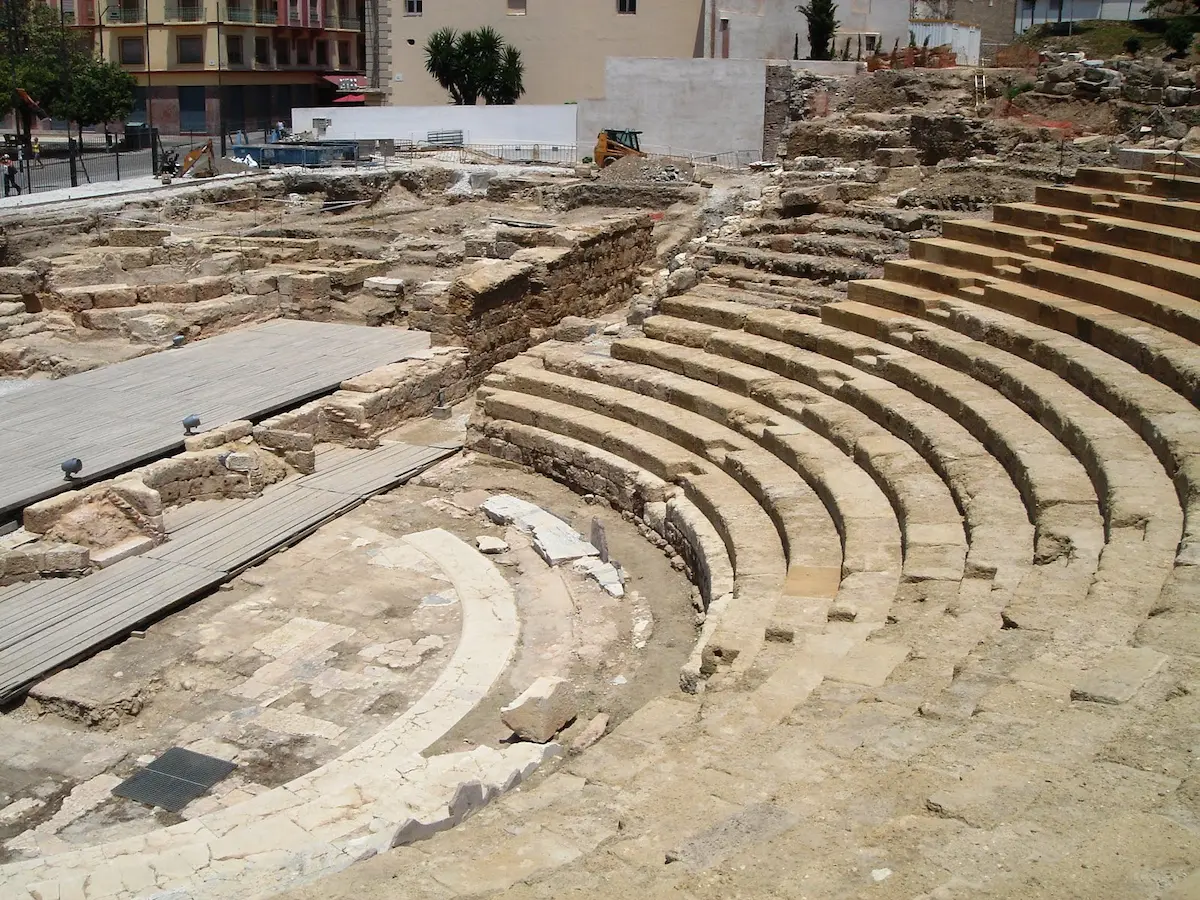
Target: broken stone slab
(542,710)
(1119,676)
(384,286)
(607,575)
(553,539)
(488,544)
(592,732)
(132,546)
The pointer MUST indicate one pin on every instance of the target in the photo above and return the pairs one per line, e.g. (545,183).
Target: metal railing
(343,22)
(266,16)
(126,15)
(239,14)
(184,12)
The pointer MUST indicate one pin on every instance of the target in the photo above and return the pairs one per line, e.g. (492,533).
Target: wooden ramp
(46,625)
(118,416)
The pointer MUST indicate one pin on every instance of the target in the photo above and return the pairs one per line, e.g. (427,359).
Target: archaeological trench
(826,528)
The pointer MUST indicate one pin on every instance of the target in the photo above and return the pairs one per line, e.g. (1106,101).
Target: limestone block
(167,293)
(385,287)
(139,495)
(216,437)
(488,544)
(304,286)
(153,327)
(41,516)
(545,707)
(210,286)
(65,558)
(591,733)
(892,157)
(132,546)
(682,280)
(19,280)
(1119,676)
(303,461)
(258,283)
(11,307)
(241,462)
(137,237)
(281,439)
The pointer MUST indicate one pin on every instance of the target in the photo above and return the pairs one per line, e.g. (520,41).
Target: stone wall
(492,308)
(775,108)
(43,559)
(369,404)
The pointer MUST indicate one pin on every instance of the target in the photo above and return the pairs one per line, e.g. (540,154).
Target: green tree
(822,24)
(475,64)
(101,92)
(37,55)
(1179,36)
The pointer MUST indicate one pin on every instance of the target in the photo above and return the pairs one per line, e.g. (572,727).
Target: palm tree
(475,64)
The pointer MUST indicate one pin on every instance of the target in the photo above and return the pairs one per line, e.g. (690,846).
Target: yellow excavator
(616,143)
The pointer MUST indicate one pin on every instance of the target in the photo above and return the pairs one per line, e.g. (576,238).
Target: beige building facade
(563,43)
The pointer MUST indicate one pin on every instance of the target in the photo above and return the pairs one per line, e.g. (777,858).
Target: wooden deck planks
(120,415)
(45,625)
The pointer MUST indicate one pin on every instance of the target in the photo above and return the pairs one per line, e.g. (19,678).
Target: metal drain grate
(175,779)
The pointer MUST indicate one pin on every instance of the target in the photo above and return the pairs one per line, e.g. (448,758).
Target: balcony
(342,21)
(266,15)
(184,12)
(125,15)
(237,13)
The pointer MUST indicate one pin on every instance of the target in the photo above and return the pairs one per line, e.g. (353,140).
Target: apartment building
(563,43)
(204,65)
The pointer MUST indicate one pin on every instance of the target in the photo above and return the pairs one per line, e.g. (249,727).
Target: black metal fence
(60,162)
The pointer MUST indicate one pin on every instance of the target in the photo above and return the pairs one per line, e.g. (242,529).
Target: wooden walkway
(46,625)
(121,415)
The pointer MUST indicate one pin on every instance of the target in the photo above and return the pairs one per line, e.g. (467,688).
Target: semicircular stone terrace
(946,537)
(371,798)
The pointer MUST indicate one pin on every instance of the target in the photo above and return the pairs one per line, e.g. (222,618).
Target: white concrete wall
(681,106)
(479,124)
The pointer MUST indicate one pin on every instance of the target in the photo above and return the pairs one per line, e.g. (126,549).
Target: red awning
(351,98)
(348,82)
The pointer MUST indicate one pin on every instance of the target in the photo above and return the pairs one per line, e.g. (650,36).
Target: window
(302,52)
(343,53)
(132,52)
(233,50)
(190,49)
(871,41)
(516,7)
(627,7)
(322,53)
(262,51)
(68,8)
(414,7)
(283,52)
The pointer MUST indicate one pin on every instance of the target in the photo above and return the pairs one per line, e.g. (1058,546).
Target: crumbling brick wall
(492,308)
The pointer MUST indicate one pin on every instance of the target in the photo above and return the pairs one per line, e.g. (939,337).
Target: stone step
(1158,415)
(930,523)
(1133,489)
(739,628)
(1172,360)
(1131,295)
(1163,240)
(1109,178)
(156,322)
(866,249)
(821,223)
(1137,207)
(1056,489)
(822,269)
(998,524)
(766,289)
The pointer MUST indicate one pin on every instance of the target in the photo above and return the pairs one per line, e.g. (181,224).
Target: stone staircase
(945,535)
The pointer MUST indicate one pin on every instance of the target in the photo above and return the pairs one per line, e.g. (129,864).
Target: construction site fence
(66,162)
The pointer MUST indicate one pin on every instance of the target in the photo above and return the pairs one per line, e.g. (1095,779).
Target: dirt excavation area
(818,528)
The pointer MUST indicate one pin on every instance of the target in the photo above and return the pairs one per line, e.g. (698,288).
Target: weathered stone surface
(1118,677)
(138,237)
(592,732)
(542,709)
(488,544)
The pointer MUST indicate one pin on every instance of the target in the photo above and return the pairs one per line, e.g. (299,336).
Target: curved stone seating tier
(1159,290)
(1173,360)
(1159,416)
(754,546)
(1060,499)
(1181,187)
(1139,208)
(380,794)
(1001,537)
(1164,240)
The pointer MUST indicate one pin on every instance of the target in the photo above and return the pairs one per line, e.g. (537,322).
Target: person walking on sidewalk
(10,175)
(37,153)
